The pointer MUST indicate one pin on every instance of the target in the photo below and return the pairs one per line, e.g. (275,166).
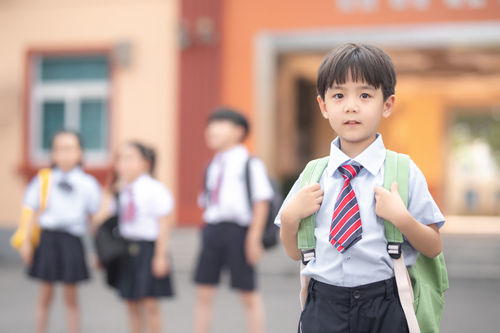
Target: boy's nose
(351,106)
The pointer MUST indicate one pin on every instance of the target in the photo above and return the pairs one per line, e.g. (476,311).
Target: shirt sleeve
(162,201)
(421,205)
(295,188)
(94,196)
(261,186)
(32,194)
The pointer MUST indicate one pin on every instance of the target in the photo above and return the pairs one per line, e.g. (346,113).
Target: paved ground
(472,303)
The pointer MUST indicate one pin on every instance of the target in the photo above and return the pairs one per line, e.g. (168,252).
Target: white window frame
(71,93)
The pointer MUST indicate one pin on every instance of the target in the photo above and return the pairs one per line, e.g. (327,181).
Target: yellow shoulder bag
(27,213)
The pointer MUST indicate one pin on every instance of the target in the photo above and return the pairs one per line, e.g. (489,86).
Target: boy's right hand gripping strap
(305,236)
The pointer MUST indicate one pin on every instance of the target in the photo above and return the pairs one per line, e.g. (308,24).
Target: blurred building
(107,68)
(153,70)
(264,58)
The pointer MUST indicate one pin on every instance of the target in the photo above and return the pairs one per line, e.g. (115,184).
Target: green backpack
(429,278)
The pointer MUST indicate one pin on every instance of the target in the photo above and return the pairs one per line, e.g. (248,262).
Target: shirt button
(356,294)
(348,258)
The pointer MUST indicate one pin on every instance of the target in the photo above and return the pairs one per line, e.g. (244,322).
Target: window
(70,92)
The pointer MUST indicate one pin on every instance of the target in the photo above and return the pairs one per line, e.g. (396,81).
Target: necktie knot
(349,171)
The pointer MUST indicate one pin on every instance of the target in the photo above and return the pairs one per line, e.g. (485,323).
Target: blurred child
(144,208)
(72,196)
(232,235)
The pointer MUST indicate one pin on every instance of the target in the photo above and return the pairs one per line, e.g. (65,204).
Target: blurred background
(154,69)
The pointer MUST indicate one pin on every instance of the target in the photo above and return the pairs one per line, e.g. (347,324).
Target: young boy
(232,235)
(352,286)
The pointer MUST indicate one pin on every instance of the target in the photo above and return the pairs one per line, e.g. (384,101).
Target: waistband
(58,231)
(385,288)
(225,223)
(139,241)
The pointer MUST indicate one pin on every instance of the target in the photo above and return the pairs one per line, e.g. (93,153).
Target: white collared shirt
(232,204)
(367,260)
(66,210)
(151,200)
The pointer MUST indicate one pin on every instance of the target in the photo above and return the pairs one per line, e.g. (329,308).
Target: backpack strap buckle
(394,250)
(307,255)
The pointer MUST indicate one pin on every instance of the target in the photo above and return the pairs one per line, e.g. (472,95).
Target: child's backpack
(421,288)
(270,235)
(27,213)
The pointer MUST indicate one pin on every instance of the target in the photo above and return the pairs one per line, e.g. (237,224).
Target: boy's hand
(253,249)
(303,204)
(160,266)
(389,205)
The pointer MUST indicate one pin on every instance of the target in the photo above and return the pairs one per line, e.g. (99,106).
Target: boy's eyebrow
(364,87)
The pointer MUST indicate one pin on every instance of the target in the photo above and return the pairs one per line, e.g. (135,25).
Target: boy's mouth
(352,122)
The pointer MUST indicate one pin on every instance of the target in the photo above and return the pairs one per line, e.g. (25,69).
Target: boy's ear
(241,134)
(388,106)
(322,107)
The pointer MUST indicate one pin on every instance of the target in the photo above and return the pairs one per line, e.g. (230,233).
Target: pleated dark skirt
(136,279)
(59,257)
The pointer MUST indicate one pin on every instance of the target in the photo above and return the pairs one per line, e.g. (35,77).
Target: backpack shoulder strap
(44,176)
(397,169)
(248,182)
(311,174)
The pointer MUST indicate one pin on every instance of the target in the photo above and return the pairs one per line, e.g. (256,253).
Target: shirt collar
(371,158)
(136,182)
(70,174)
(232,152)
(139,179)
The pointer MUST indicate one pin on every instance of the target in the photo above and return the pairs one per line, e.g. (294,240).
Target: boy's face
(354,110)
(223,134)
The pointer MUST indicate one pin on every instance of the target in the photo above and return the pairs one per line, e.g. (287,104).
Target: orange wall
(418,127)
(423,111)
(243,20)
(422,114)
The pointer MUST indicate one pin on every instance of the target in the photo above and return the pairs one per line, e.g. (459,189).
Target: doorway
(432,83)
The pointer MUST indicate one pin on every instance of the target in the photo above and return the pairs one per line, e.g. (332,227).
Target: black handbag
(110,245)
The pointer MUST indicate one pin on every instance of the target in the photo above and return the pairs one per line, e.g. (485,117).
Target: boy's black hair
(362,62)
(66,131)
(232,115)
(147,153)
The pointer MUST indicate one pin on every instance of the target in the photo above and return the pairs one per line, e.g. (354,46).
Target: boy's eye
(338,96)
(365,95)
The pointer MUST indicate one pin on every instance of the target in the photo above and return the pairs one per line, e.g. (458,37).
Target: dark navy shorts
(371,308)
(223,247)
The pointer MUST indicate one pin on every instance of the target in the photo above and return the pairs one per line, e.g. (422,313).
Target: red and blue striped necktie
(345,229)
(214,195)
(129,211)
